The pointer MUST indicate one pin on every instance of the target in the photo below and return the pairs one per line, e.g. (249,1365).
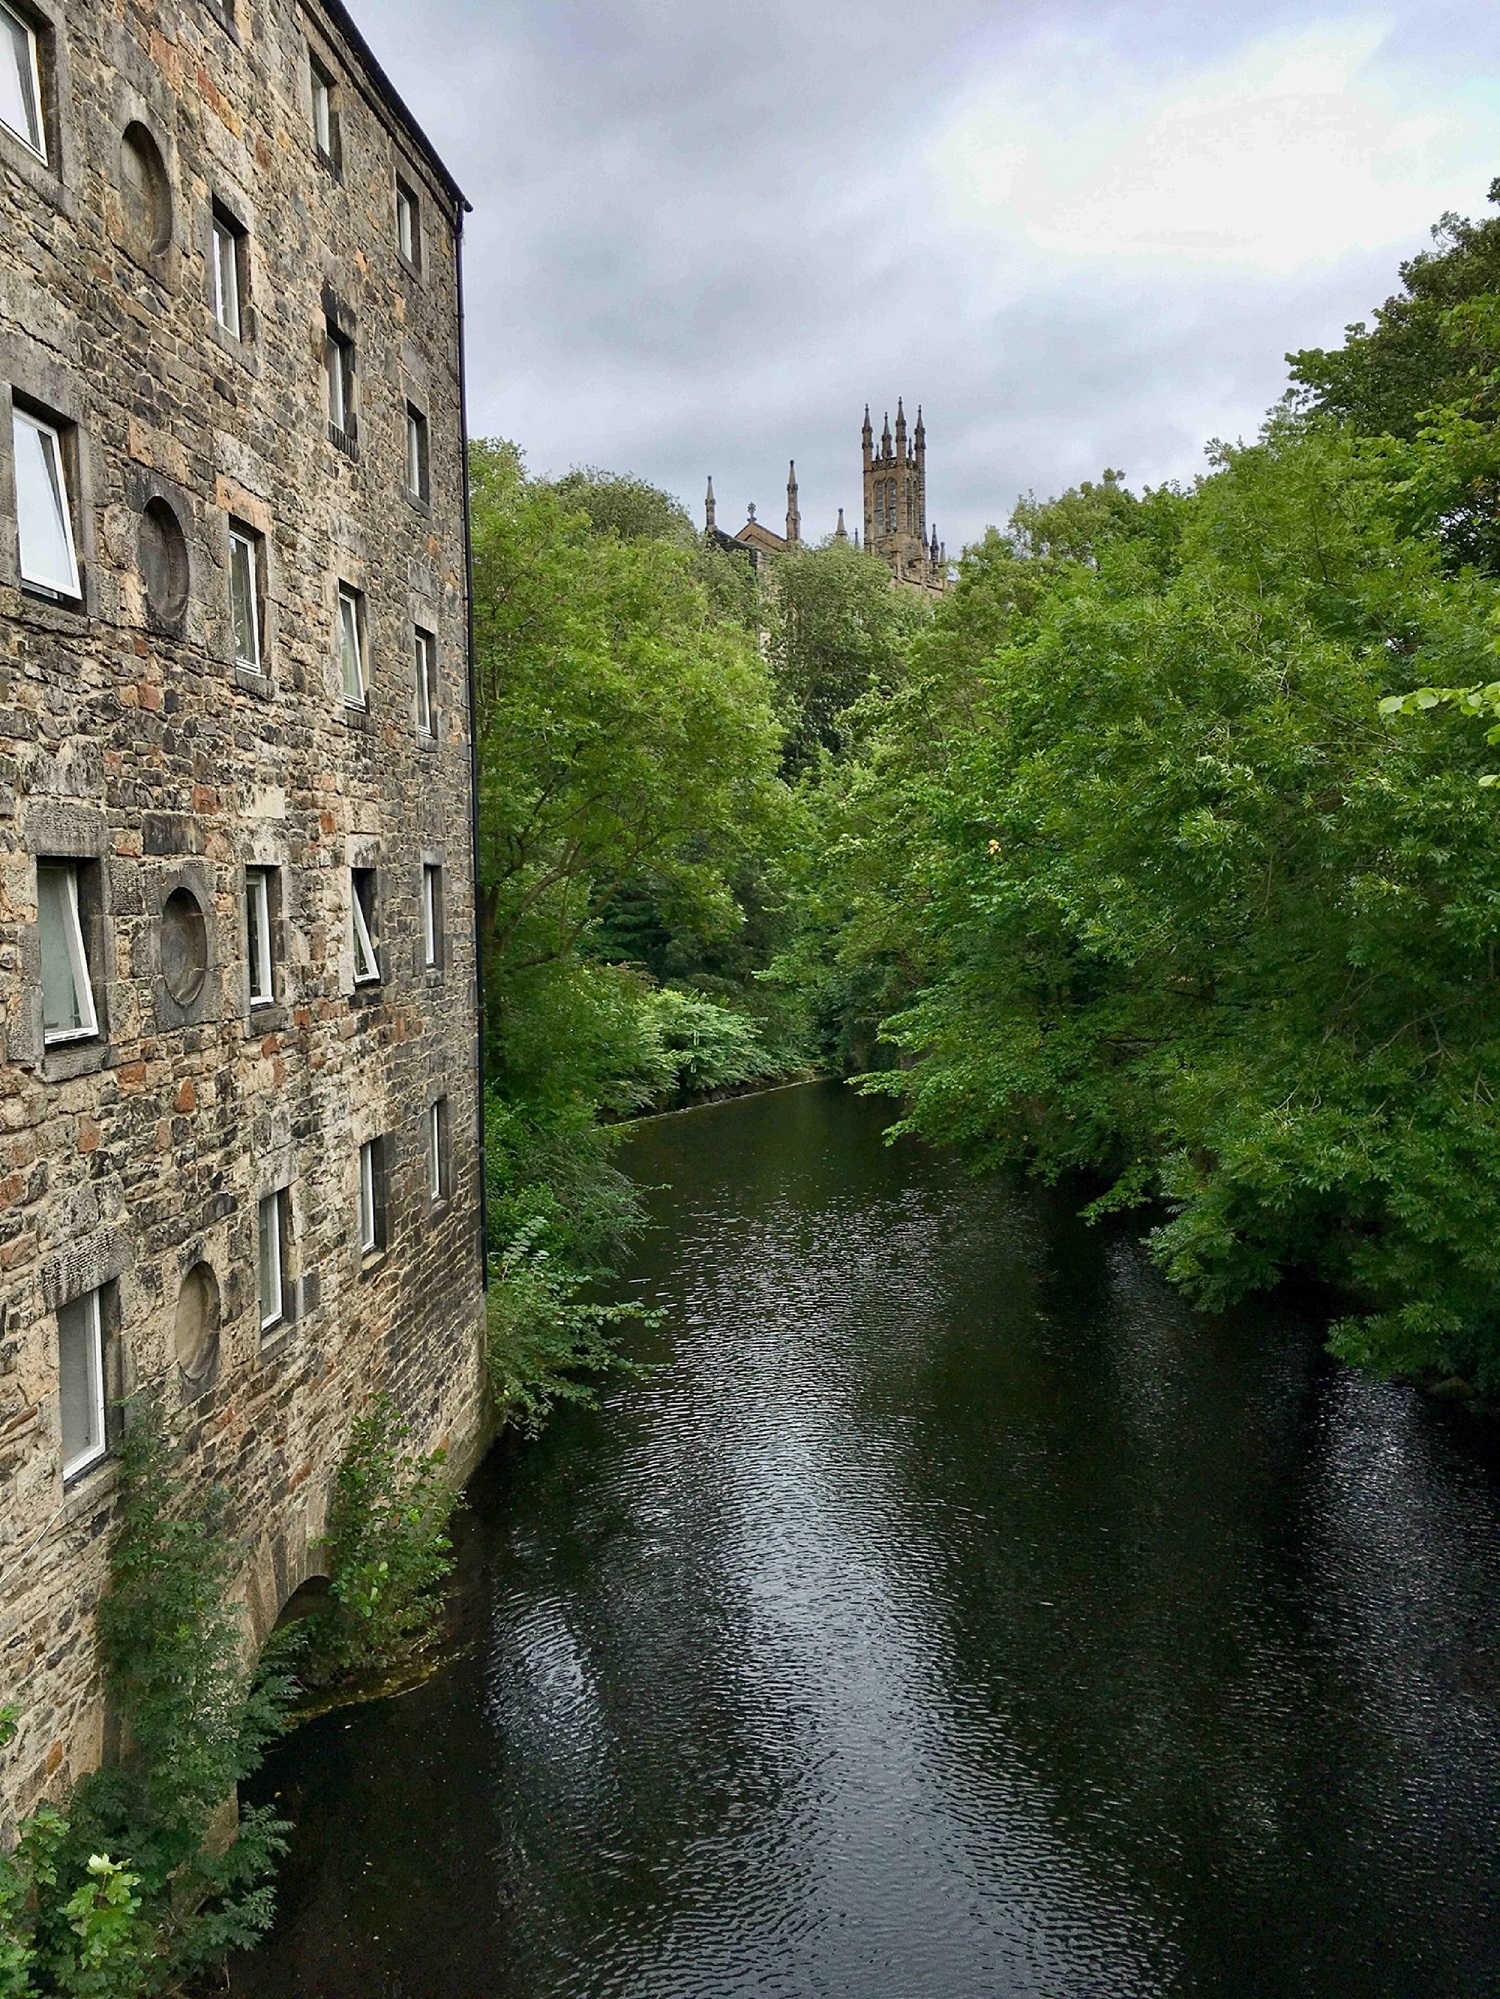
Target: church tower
(896,499)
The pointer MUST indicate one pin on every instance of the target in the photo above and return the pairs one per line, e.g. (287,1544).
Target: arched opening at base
(305,1601)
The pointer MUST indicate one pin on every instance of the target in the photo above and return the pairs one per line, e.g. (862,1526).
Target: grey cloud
(702,239)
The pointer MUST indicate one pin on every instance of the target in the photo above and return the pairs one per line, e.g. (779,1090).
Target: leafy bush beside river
(1146,884)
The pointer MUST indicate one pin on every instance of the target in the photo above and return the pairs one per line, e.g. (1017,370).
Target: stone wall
(133,743)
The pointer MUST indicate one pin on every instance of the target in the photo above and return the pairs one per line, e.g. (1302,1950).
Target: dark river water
(950,1614)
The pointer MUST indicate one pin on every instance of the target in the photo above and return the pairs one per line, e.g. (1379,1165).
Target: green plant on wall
(132,1889)
(389,1553)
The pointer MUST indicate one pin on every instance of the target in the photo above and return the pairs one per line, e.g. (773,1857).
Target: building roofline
(395,102)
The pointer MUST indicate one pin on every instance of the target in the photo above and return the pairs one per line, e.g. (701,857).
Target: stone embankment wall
(137,748)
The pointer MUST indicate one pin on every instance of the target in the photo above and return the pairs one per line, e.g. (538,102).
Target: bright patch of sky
(1078,234)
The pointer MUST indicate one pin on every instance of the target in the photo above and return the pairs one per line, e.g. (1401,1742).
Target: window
(408,226)
(338,359)
(44,516)
(228,254)
(67,990)
(325,110)
(80,1373)
(366,930)
(244,596)
(416,454)
(260,963)
(20,81)
(371,1216)
(351,648)
(437,1150)
(426,656)
(432,914)
(270,1223)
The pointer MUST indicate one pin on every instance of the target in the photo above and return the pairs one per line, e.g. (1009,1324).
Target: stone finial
(708,507)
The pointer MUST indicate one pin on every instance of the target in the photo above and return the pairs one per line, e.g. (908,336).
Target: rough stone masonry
(239,1117)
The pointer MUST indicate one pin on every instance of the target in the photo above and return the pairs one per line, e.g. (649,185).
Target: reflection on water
(951,1614)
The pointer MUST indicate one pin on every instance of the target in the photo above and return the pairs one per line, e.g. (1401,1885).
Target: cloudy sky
(1079,233)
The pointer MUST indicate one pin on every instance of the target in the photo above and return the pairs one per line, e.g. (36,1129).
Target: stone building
(239,1116)
(895,495)
(895,502)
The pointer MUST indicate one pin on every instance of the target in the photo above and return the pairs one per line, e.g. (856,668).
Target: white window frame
(364,943)
(349,630)
(339,369)
(260,960)
(94,1332)
(56,466)
(369,1232)
(324,118)
(269,1219)
(78,958)
(425,651)
(37,144)
(243,538)
(408,226)
(432,882)
(418,456)
(436,1114)
(226,271)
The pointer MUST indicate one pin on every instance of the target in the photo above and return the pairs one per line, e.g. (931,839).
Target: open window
(260,903)
(68,1009)
(408,225)
(246,584)
(432,915)
(437,1150)
(80,1377)
(21,80)
(417,484)
(228,247)
(271,1258)
(426,665)
(44,507)
(352,647)
(338,367)
(371,1214)
(325,114)
(362,910)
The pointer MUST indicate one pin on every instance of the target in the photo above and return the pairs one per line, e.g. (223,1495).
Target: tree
(1388,378)
(1176,910)
(625,732)
(838,627)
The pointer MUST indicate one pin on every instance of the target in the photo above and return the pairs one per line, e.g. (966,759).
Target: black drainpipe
(463,408)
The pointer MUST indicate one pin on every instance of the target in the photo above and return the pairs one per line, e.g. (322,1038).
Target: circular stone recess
(145,192)
(184,946)
(195,1332)
(162,559)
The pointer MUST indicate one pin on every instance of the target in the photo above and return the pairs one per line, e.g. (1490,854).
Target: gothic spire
(841,533)
(708,507)
(793,517)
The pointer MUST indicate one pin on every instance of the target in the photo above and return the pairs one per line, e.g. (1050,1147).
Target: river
(949,1613)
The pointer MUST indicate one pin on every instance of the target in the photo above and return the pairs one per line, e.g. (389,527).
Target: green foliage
(622,505)
(389,1554)
(695,1047)
(837,630)
(1153,893)
(129,1891)
(544,1344)
(624,730)
(1425,351)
